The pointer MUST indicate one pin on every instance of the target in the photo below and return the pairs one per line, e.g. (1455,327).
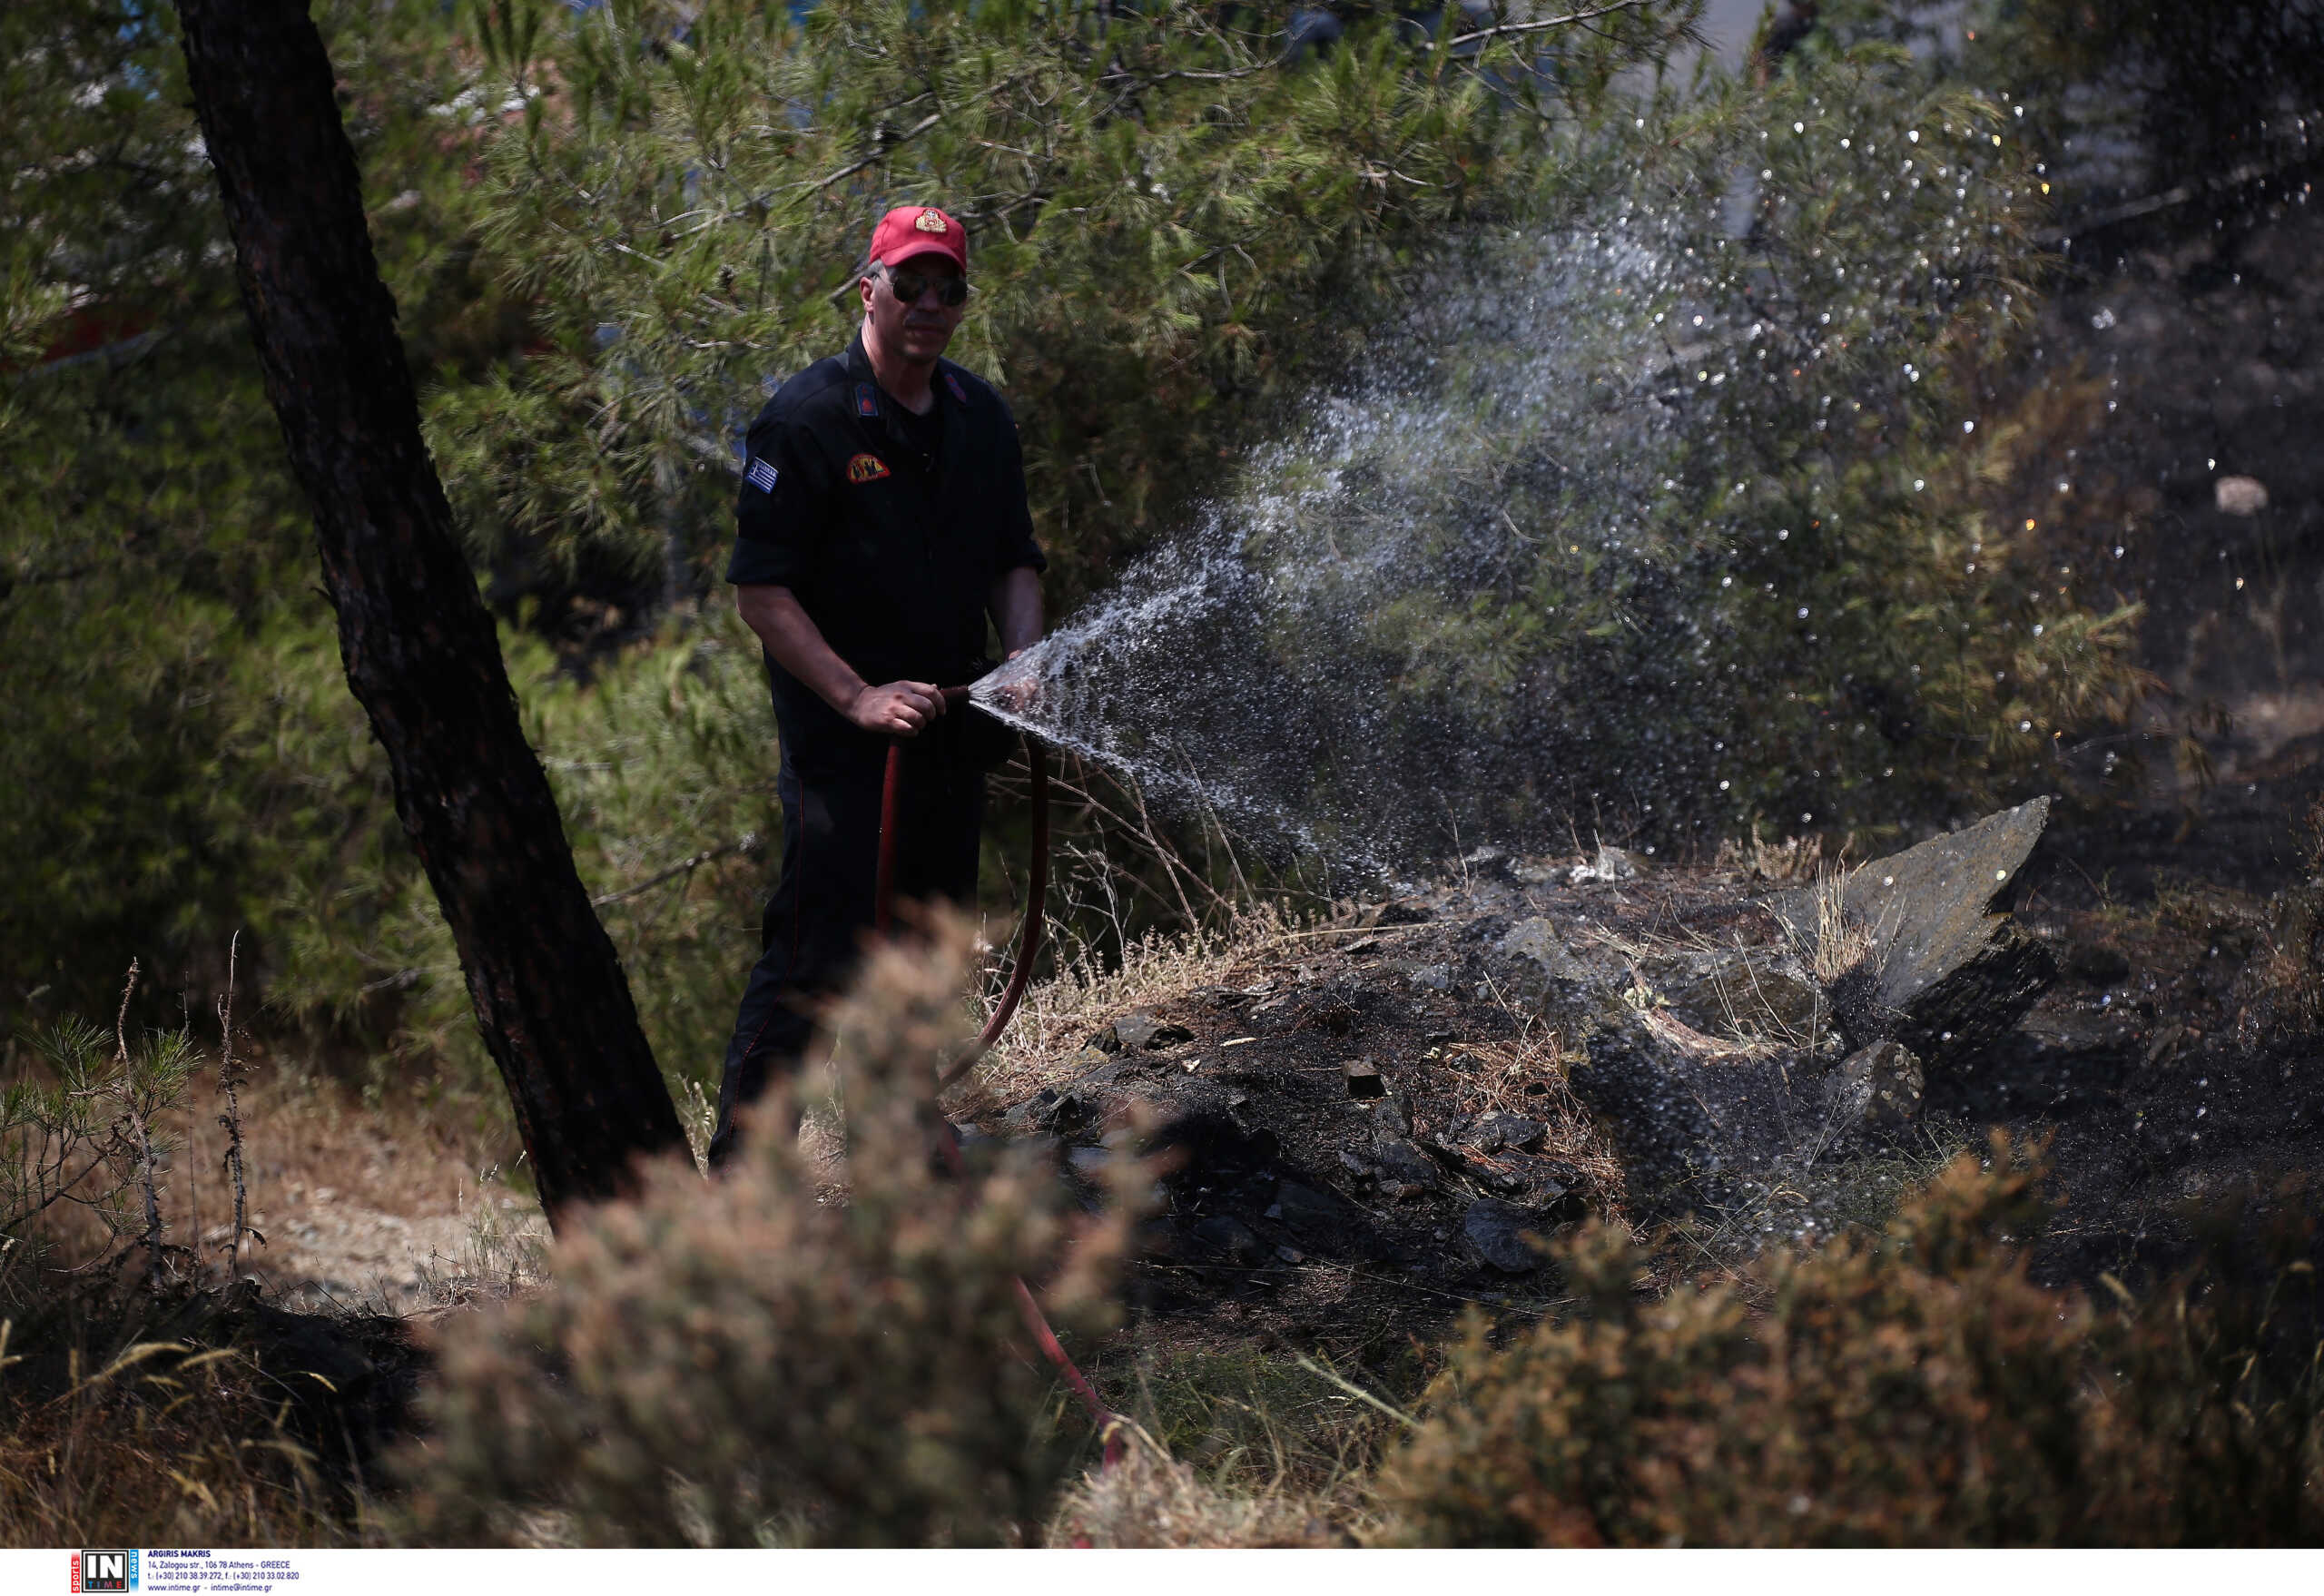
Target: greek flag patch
(761,475)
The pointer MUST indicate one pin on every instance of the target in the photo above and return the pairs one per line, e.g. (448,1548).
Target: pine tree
(419,646)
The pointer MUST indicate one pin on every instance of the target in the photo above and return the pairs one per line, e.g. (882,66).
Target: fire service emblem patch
(866,468)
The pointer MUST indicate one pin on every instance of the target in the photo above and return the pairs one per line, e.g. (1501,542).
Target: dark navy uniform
(891,529)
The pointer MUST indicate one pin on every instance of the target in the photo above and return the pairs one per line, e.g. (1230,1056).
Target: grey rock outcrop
(1939,972)
(1504,1234)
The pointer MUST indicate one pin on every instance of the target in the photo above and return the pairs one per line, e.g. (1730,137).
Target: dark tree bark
(416,641)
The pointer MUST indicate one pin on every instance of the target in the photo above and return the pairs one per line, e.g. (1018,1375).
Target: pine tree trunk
(416,641)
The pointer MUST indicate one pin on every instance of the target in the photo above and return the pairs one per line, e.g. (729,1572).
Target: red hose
(1028,948)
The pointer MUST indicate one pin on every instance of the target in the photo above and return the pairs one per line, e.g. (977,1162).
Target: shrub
(744,1362)
(1916,1389)
(89,1141)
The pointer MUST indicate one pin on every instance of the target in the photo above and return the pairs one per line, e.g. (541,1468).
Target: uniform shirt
(891,552)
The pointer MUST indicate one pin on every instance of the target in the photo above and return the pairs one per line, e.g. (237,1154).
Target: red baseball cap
(909,231)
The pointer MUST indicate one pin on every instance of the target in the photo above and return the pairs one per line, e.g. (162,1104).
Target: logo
(104,1570)
(953,382)
(930,221)
(866,468)
(866,403)
(762,475)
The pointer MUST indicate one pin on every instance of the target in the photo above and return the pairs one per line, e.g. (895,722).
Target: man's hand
(897,709)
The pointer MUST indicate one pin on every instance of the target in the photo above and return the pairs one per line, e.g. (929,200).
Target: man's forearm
(797,644)
(1015,604)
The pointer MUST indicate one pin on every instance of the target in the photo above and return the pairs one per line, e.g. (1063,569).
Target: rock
(1487,861)
(1229,1237)
(1400,1169)
(1390,913)
(1612,865)
(1549,1184)
(2239,496)
(1436,978)
(1941,974)
(1750,994)
(1537,942)
(1138,1031)
(1316,1217)
(1389,1118)
(1877,1089)
(1500,1128)
(1503,1234)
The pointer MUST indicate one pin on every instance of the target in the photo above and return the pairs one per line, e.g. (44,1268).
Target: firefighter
(881,522)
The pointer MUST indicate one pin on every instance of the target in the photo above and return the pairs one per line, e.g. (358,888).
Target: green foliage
(1917,1389)
(1171,224)
(1691,499)
(742,1363)
(663,767)
(160,632)
(88,1139)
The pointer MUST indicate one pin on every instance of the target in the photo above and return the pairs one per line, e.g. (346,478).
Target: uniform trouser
(816,922)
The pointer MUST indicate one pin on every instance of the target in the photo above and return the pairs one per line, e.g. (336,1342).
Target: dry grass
(118,1427)
(1840,941)
(1149,1500)
(1497,1074)
(1058,1015)
(1791,860)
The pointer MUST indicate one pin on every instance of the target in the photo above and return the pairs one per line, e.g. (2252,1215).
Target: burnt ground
(1368,1121)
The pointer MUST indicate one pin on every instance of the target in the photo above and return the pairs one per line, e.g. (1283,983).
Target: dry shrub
(733,1362)
(1917,1389)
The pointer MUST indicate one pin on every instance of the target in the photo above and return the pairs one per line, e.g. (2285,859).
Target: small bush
(89,1142)
(744,1362)
(1914,1390)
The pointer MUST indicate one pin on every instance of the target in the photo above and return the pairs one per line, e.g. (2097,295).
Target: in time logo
(104,1570)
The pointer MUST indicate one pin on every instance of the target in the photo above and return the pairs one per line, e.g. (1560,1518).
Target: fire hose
(1028,948)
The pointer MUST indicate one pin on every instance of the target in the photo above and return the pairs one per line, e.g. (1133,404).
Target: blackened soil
(1331,1186)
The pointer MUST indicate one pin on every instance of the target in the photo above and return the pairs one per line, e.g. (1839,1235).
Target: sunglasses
(908,286)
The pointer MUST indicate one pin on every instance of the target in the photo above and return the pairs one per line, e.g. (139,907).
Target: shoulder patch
(867,403)
(952,381)
(866,468)
(762,475)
